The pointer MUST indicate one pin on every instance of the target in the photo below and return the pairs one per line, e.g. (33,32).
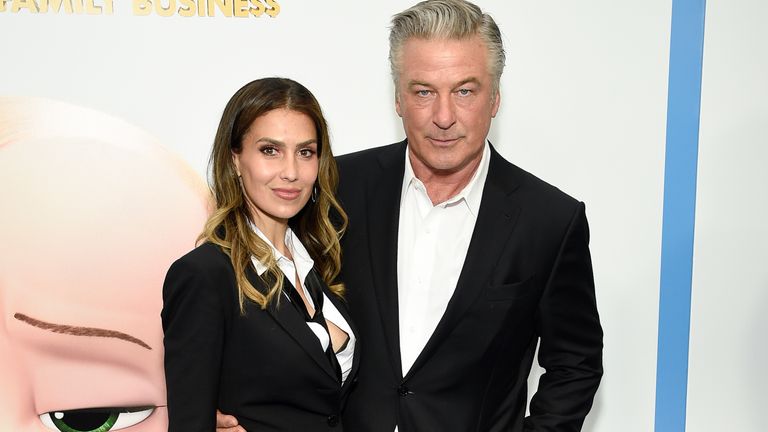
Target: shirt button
(333,420)
(403,391)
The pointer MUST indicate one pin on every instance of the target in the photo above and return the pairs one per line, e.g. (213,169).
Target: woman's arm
(193,325)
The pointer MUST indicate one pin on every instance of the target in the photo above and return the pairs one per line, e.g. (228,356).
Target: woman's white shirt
(301,265)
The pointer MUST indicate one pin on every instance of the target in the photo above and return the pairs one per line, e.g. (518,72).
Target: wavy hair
(229,224)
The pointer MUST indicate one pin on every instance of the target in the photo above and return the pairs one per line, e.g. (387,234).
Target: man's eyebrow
(470,80)
(414,83)
(80,331)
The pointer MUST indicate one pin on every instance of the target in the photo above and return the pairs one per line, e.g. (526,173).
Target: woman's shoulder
(205,258)
(201,272)
(205,254)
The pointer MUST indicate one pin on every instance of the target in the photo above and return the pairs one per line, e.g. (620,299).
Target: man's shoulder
(363,159)
(526,183)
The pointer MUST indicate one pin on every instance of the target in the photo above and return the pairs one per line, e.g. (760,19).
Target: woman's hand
(227,423)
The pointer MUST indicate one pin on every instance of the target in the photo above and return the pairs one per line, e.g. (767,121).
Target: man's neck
(443,185)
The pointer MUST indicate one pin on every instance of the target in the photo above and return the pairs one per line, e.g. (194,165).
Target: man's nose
(444,115)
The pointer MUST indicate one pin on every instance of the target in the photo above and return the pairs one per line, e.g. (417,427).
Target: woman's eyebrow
(80,331)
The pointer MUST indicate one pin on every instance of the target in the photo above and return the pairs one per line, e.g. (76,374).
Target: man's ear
(397,103)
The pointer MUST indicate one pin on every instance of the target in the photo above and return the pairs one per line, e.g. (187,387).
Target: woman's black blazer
(266,368)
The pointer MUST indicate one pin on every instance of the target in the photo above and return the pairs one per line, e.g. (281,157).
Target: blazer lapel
(342,308)
(383,220)
(495,222)
(293,323)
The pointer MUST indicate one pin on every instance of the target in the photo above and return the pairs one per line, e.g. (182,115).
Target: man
(457,262)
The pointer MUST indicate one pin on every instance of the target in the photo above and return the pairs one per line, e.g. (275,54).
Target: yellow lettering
(91,8)
(256,8)
(187,8)
(55,5)
(241,8)
(223,5)
(19,4)
(274,8)
(142,7)
(164,8)
(165,11)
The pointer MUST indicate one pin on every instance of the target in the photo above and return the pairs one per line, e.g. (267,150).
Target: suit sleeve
(571,341)
(193,325)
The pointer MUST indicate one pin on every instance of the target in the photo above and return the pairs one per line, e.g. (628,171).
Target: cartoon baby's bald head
(93,213)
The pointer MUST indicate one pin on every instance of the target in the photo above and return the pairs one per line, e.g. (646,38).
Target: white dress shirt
(301,265)
(431,248)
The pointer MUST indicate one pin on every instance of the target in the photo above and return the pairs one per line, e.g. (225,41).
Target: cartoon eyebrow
(80,331)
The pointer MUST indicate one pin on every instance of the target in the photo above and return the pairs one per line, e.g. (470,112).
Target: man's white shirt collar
(470,195)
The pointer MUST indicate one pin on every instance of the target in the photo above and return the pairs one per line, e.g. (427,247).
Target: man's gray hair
(446,19)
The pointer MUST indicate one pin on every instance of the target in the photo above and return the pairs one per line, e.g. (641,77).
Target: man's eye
(95,419)
(423,92)
(465,92)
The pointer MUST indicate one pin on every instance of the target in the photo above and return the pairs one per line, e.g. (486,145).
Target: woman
(254,322)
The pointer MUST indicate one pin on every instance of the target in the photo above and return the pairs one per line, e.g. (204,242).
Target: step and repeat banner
(108,109)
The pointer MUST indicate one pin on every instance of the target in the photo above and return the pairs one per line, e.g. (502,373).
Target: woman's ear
(236,161)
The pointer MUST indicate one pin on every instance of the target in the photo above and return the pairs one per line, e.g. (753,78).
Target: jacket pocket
(510,291)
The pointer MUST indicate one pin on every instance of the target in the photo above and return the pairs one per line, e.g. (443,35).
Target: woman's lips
(287,194)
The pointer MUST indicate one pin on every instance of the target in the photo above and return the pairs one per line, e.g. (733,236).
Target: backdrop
(584,106)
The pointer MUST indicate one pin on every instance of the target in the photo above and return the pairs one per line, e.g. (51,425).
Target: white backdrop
(583,106)
(728,352)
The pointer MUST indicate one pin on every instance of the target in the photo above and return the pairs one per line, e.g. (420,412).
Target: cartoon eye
(95,419)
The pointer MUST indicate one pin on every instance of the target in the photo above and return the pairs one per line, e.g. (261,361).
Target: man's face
(446,102)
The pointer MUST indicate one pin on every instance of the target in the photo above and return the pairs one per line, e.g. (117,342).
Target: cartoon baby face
(93,213)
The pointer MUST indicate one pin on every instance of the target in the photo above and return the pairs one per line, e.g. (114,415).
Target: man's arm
(571,342)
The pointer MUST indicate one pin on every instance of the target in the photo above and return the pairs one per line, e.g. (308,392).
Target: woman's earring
(314,194)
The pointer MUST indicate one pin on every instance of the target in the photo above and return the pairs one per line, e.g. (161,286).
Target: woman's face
(278,165)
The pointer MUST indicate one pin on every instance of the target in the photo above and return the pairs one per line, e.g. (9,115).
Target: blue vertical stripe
(683,103)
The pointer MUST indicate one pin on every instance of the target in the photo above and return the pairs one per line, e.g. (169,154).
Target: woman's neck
(274,231)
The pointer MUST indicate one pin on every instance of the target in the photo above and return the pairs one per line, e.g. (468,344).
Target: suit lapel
(342,308)
(289,319)
(495,222)
(383,219)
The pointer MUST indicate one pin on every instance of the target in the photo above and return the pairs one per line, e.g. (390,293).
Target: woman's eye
(269,151)
(95,419)
(307,153)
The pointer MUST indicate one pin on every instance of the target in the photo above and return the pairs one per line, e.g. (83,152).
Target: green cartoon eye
(95,419)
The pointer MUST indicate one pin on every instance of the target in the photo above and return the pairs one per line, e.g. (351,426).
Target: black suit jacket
(266,368)
(527,277)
